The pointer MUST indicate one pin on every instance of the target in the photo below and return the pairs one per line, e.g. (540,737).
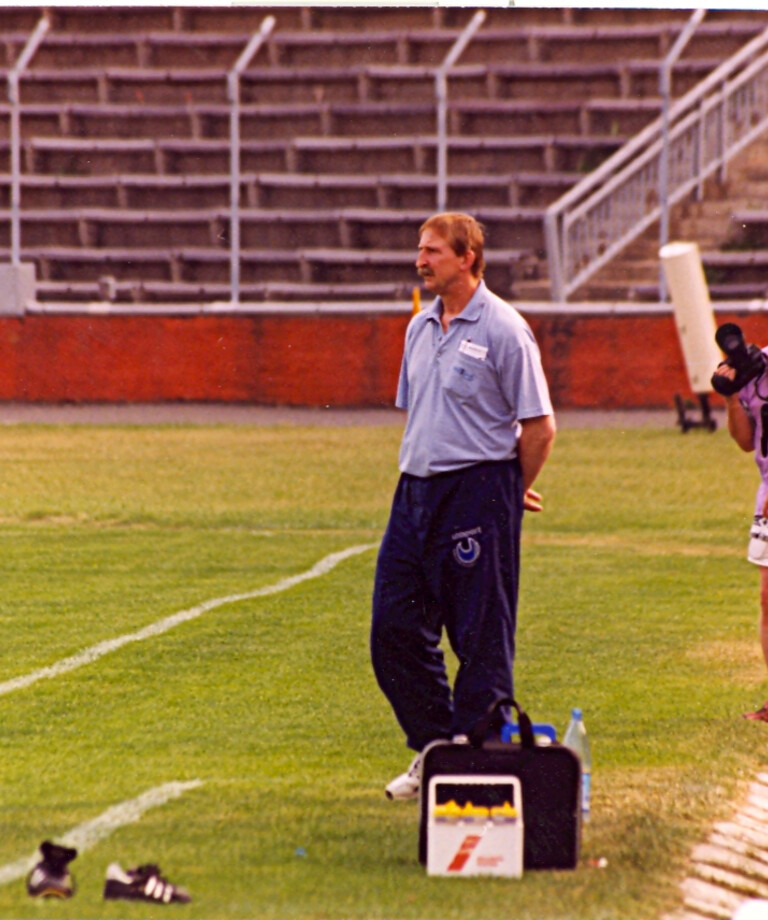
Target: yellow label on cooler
(505,812)
(475,812)
(448,812)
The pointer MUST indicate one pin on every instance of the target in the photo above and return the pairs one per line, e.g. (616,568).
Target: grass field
(259,711)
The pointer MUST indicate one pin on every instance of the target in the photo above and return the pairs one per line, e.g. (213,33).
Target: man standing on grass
(480,427)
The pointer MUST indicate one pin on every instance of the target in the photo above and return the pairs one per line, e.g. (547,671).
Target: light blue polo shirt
(465,389)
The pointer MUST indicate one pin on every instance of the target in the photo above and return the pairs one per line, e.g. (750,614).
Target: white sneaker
(408,784)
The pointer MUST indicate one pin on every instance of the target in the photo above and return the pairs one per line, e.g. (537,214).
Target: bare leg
(764,612)
(761,715)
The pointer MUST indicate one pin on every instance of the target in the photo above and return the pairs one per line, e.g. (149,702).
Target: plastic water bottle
(576,739)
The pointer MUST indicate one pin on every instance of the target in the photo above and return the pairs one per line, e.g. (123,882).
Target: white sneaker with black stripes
(143,883)
(408,784)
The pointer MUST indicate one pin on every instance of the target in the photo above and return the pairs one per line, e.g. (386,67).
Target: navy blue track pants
(450,559)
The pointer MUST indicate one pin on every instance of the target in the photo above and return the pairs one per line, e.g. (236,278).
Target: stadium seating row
(285,190)
(333,155)
(322,48)
(622,79)
(101,284)
(349,228)
(185,274)
(208,265)
(739,269)
(170,292)
(495,117)
(336,18)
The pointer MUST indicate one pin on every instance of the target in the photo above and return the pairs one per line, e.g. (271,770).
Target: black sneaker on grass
(50,878)
(143,883)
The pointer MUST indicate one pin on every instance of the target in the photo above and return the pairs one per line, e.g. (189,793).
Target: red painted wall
(622,361)
(337,360)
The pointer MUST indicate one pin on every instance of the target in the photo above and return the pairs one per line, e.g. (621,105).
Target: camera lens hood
(730,338)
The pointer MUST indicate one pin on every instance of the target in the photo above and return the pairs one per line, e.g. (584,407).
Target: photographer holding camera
(742,380)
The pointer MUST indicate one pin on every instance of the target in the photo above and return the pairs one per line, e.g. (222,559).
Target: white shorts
(758,541)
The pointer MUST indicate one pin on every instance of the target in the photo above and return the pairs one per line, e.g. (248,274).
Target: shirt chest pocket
(464,376)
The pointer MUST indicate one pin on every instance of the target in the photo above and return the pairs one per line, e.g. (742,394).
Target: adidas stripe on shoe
(143,883)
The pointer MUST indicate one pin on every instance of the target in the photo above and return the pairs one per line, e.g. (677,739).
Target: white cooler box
(475,826)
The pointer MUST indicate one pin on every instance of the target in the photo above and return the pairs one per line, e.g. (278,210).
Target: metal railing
(593,222)
(14,97)
(441,98)
(233,93)
(665,87)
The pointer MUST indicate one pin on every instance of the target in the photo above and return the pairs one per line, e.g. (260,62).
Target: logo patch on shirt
(474,350)
(467,549)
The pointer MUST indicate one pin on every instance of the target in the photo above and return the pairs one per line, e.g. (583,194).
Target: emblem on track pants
(467,549)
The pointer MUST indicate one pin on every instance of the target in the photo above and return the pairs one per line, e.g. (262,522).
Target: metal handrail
(613,205)
(441,97)
(14,97)
(665,86)
(233,94)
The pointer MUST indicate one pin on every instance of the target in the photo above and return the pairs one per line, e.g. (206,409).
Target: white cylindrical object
(694,316)
(754,909)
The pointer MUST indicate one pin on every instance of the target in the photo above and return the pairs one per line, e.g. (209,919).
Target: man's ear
(469,257)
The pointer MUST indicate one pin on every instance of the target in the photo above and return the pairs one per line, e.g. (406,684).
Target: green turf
(636,605)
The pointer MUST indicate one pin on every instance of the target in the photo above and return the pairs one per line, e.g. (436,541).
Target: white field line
(87,835)
(94,652)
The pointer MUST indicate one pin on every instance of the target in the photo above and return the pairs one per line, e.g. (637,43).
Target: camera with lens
(748,361)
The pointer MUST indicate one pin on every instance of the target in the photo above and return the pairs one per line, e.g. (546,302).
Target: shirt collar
(470,313)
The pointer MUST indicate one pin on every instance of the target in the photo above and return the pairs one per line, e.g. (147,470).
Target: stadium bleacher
(125,126)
